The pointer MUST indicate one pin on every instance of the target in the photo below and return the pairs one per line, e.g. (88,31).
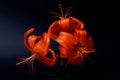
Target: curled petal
(25,37)
(79,25)
(54,30)
(49,61)
(64,24)
(31,40)
(42,46)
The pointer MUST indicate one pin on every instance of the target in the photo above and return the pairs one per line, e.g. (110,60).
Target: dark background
(101,20)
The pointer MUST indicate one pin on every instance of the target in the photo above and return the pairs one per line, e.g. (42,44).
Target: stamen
(29,61)
(55,13)
(56,17)
(88,57)
(62,14)
(82,51)
(66,13)
(79,52)
(61,9)
(59,16)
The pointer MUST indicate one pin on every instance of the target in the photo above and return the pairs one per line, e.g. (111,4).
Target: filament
(61,16)
(66,13)
(61,9)
(29,61)
(55,13)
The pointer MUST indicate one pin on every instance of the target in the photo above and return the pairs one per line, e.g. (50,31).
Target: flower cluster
(69,33)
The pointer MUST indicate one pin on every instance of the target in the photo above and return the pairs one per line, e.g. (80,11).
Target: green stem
(67,73)
(64,66)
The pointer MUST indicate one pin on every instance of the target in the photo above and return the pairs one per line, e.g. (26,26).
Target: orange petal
(80,24)
(31,40)
(53,30)
(89,44)
(49,61)
(66,53)
(63,52)
(81,36)
(42,45)
(25,37)
(78,59)
(66,40)
(64,24)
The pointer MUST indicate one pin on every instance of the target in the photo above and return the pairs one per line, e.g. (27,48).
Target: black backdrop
(101,20)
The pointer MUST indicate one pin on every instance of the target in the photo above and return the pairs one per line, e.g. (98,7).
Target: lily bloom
(75,47)
(66,24)
(38,46)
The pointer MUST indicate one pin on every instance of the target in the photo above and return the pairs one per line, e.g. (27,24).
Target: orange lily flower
(39,48)
(66,24)
(75,47)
